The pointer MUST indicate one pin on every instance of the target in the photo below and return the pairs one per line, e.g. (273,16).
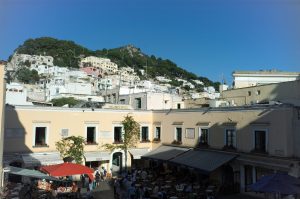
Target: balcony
(39,145)
(145,141)
(91,143)
(156,140)
(176,142)
(118,142)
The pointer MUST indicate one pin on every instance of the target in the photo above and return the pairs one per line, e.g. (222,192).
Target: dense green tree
(27,76)
(71,147)
(71,101)
(131,136)
(68,54)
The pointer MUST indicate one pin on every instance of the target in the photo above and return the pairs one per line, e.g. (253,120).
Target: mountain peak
(132,50)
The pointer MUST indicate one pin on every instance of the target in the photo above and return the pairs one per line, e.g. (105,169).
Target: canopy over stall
(68,169)
(29,173)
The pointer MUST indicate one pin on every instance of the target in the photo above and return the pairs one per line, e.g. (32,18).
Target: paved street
(104,191)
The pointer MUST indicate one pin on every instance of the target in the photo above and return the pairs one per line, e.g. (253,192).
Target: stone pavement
(238,196)
(104,191)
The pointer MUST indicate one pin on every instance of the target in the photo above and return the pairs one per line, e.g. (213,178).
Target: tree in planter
(71,147)
(131,135)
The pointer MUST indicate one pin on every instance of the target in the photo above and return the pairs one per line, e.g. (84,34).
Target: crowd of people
(160,183)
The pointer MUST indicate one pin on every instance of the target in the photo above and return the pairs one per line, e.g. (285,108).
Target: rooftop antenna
(223,80)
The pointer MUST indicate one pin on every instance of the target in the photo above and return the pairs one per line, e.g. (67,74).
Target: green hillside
(68,54)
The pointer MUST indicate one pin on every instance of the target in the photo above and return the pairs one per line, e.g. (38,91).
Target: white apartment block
(57,91)
(243,79)
(198,82)
(50,70)
(189,84)
(101,63)
(152,101)
(163,79)
(34,60)
(16,94)
(128,76)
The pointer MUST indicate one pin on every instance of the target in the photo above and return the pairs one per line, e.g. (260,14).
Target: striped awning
(96,156)
(138,153)
(29,173)
(165,153)
(38,159)
(202,160)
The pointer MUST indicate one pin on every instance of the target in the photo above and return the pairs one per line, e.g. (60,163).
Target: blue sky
(208,37)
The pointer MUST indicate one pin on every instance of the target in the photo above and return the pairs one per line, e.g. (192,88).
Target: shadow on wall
(272,133)
(14,142)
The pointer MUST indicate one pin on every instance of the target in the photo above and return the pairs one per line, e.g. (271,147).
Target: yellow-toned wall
(74,120)
(278,122)
(287,92)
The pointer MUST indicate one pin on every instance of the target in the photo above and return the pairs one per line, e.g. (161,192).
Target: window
(138,103)
(258,92)
(40,136)
(122,101)
(64,132)
(248,176)
(190,133)
(249,93)
(145,134)
(260,141)
(203,137)
(230,138)
(157,132)
(178,106)
(91,135)
(178,134)
(118,134)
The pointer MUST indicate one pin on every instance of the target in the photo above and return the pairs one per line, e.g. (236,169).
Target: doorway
(117,163)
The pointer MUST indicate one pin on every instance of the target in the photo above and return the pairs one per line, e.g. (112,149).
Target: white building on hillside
(128,76)
(163,79)
(50,70)
(152,101)
(19,60)
(102,63)
(16,94)
(243,79)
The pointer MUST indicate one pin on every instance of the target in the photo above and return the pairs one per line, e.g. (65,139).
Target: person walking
(97,177)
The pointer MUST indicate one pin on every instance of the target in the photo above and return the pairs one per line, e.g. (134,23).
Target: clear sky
(208,37)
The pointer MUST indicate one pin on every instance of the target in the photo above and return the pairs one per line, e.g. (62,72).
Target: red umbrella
(67,169)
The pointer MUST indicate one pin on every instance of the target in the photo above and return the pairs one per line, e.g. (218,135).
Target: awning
(138,153)
(38,159)
(96,156)
(165,152)
(205,161)
(29,173)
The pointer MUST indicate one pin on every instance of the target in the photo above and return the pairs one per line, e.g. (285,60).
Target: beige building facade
(285,92)
(100,63)
(262,139)
(243,79)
